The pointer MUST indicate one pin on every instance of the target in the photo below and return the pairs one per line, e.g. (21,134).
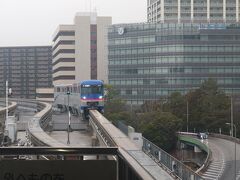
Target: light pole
(6,120)
(235,149)
(69,119)
(6,101)
(231,116)
(187,115)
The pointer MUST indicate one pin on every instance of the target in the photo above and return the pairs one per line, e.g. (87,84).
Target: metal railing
(168,162)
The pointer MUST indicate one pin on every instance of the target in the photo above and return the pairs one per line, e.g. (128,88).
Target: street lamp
(69,119)
(235,151)
(187,115)
(231,116)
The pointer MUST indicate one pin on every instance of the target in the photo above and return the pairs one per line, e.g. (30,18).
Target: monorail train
(80,97)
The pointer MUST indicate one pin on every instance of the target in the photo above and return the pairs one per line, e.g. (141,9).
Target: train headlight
(84,97)
(100,97)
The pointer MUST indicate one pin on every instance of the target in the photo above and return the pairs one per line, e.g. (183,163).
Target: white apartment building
(195,11)
(80,50)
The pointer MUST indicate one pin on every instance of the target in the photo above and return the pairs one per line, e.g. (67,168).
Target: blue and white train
(80,97)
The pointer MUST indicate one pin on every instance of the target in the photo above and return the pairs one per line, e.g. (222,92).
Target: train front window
(91,89)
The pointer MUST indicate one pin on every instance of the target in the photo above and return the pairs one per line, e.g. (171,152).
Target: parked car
(202,135)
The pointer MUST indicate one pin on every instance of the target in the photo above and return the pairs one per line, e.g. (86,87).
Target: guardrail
(222,136)
(195,142)
(170,163)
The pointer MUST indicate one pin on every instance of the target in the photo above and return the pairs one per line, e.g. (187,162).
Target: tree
(177,105)
(160,128)
(115,107)
(209,107)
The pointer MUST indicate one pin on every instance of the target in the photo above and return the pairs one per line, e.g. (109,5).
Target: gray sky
(32,22)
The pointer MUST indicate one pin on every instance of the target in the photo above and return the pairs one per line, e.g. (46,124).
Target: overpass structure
(133,162)
(220,162)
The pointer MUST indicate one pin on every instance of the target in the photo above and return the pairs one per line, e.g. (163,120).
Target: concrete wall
(102,50)
(82,48)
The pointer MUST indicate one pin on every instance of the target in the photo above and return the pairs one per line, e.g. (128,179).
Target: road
(222,166)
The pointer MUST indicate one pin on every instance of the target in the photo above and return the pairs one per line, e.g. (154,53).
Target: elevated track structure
(128,166)
(133,162)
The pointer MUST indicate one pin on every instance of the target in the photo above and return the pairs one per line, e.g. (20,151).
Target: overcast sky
(32,22)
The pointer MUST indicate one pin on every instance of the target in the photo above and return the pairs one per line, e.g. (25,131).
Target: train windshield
(91,89)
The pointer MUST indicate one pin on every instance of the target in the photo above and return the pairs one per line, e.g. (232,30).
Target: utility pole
(69,119)
(6,103)
(231,116)
(235,150)
(187,115)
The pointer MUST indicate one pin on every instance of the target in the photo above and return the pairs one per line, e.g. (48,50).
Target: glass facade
(150,61)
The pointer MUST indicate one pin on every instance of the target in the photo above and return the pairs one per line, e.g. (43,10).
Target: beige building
(80,49)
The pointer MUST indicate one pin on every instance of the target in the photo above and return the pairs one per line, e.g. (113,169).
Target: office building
(193,11)
(79,50)
(149,61)
(26,68)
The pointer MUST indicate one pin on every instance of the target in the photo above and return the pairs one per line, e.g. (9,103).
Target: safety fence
(168,162)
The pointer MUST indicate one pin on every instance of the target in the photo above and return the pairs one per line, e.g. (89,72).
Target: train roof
(91,82)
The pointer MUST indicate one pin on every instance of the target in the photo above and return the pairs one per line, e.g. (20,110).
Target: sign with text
(58,170)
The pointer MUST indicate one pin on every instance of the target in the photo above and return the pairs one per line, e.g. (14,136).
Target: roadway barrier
(222,136)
